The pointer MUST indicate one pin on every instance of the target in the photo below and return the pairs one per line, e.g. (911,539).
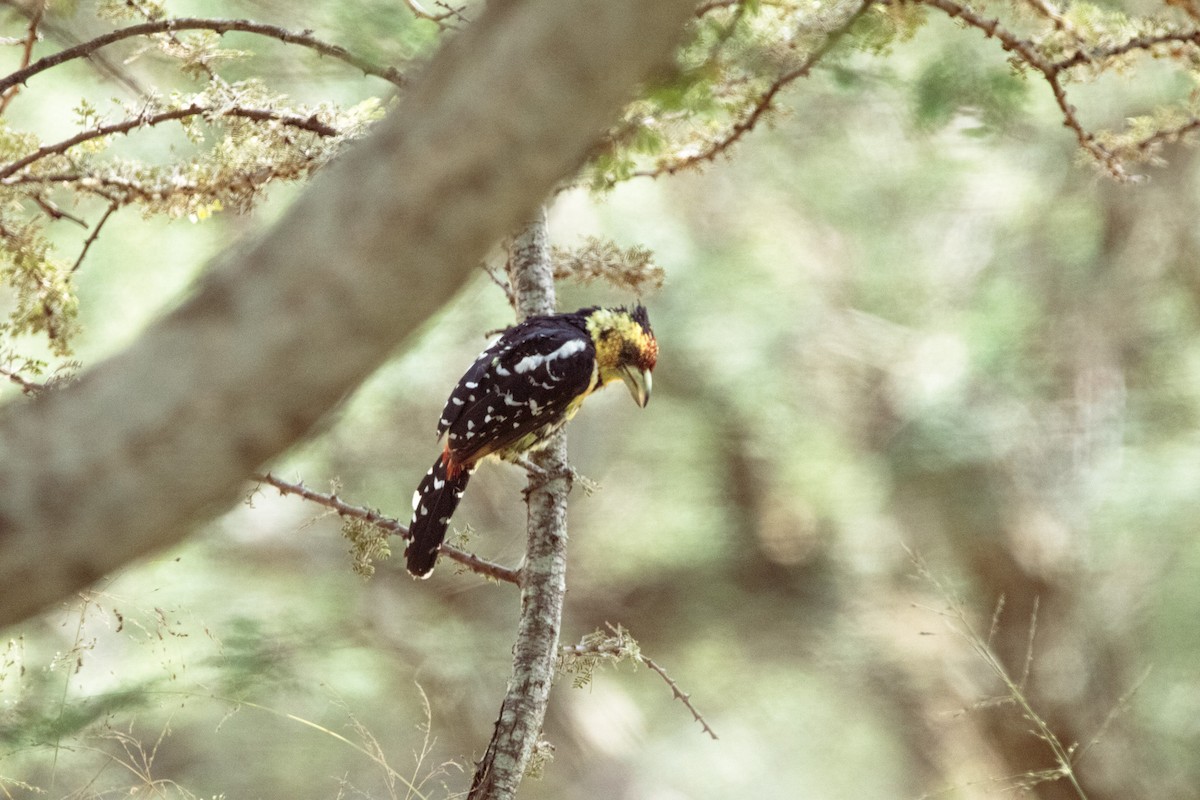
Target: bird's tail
(433,505)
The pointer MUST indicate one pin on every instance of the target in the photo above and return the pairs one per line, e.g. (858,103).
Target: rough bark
(544,575)
(281,328)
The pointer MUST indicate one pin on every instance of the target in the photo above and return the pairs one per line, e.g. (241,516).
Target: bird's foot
(540,476)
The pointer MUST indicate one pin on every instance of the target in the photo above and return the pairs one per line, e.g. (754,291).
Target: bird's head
(626,349)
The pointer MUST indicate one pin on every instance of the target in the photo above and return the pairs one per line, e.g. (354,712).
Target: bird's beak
(638,382)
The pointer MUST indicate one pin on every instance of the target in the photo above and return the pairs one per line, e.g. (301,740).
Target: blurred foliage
(900,317)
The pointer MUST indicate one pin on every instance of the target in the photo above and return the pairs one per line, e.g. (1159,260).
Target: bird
(523,388)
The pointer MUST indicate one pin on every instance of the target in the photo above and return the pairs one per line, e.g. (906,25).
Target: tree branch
(283,326)
(311,124)
(219,26)
(544,575)
(762,105)
(113,205)
(393,526)
(1188,37)
(442,19)
(27,386)
(31,37)
(619,646)
(1026,52)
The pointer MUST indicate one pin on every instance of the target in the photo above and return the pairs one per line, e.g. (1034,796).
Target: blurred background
(917,485)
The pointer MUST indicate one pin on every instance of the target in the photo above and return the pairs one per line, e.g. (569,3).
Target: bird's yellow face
(626,349)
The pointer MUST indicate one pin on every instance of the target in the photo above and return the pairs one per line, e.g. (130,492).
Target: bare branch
(393,526)
(102,64)
(95,234)
(680,695)
(50,209)
(620,646)
(31,37)
(501,282)
(219,26)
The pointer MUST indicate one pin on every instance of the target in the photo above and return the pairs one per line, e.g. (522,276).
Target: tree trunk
(280,329)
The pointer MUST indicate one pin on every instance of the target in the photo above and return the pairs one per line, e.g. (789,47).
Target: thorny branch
(95,234)
(392,526)
(219,26)
(620,646)
(1026,52)
(310,123)
(1165,136)
(121,190)
(1139,43)
(31,37)
(762,105)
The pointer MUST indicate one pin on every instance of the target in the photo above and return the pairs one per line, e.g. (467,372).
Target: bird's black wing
(519,389)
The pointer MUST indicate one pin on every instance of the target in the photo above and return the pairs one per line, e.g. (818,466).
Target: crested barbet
(519,391)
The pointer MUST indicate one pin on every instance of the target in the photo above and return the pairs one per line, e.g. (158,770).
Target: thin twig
(219,26)
(621,646)
(392,526)
(27,386)
(150,16)
(54,212)
(1162,137)
(310,123)
(500,281)
(87,243)
(120,190)
(1028,665)
(1191,37)
(31,37)
(680,695)
(420,12)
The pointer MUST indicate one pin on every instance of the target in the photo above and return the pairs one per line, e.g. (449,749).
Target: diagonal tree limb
(218,26)
(392,526)
(148,120)
(282,327)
